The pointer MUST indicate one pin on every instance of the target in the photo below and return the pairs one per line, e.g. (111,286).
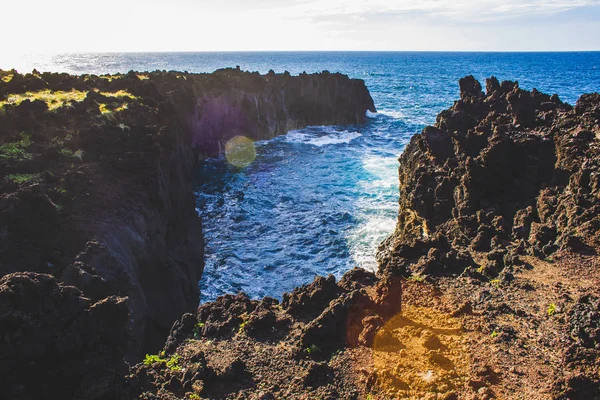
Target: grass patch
(494,335)
(171,363)
(108,112)
(312,349)
(551,309)
(242,328)
(416,278)
(7,78)
(57,99)
(22,178)
(109,77)
(16,150)
(52,99)
(143,77)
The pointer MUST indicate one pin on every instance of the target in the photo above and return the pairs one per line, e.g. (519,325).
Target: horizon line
(33,53)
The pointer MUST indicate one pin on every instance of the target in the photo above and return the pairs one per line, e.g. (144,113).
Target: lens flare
(240,151)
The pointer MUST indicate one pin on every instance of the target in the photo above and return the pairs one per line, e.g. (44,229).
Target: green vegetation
(551,309)
(198,328)
(54,100)
(193,396)
(109,77)
(16,150)
(312,349)
(494,334)
(22,178)
(242,328)
(495,283)
(66,152)
(109,112)
(416,278)
(172,363)
(549,259)
(57,99)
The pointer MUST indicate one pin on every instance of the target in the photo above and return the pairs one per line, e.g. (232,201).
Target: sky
(49,26)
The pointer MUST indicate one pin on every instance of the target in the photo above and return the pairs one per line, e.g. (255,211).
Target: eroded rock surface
(96,182)
(503,173)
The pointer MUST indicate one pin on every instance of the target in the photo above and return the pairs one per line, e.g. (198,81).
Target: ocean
(319,200)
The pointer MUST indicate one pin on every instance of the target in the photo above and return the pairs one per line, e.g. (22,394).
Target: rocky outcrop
(501,173)
(97,190)
(229,103)
(235,347)
(467,303)
(56,341)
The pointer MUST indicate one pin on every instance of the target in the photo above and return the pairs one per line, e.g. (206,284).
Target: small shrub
(22,178)
(551,309)
(16,150)
(152,359)
(242,328)
(172,363)
(494,334)
(198,329)
(495,283)
(312,349)
(416,278)
(79,154)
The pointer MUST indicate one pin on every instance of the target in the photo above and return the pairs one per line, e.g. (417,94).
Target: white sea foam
(396,114)
(371,114)
(323,137)
(376,212)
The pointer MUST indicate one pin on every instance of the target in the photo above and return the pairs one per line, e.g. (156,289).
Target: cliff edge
(487,289)
(102,249)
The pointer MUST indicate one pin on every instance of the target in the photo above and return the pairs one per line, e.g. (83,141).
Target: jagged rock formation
(287,346)
(96,190)
(498,236)
(229,103)
(506,172)
(53,336)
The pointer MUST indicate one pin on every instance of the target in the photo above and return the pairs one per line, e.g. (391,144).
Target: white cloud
(208,25)
(459,10)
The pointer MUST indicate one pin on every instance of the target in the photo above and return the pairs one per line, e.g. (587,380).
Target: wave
(396,114)
(323,137)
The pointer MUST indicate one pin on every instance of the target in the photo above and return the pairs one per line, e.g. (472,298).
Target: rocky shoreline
(101,246)
(488,288)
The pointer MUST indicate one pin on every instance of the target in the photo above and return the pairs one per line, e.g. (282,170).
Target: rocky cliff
(487,289)
(502,173)
(101,244)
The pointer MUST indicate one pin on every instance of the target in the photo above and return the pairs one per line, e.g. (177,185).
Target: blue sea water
(320,200)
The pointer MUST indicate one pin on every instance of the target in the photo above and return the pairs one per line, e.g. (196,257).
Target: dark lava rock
(584,321)
(497,167)
(54,340)
(309,301)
